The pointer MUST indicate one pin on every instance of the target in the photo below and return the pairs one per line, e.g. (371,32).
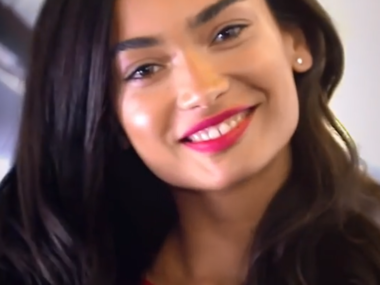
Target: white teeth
(204,136)
(213,133)
(218,130)
(233,123)
(196,138)
(224,128)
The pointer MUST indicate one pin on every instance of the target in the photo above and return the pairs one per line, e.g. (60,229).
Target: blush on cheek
(140,120)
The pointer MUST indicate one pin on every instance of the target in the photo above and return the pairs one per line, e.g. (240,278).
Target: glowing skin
(238,58)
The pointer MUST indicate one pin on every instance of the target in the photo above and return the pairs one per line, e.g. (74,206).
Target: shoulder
(350,254)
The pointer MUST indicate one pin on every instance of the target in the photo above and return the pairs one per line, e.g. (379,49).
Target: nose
(198,82)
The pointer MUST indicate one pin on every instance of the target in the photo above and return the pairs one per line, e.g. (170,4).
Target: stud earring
(299,60)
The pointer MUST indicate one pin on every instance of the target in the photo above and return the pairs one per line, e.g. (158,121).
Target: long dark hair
(73,209)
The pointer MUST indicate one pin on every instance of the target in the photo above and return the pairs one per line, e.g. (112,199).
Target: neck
(213,239)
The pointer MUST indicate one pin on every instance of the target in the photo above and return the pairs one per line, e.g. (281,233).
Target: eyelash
(139,69)
(236,29)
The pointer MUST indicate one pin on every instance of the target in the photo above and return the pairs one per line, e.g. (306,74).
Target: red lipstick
(224,141)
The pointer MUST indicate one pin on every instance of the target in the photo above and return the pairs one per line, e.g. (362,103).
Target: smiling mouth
(220,137)
(219,130)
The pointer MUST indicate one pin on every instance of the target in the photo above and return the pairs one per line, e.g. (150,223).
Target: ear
(297,50)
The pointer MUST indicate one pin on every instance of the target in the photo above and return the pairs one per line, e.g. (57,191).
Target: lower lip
(223,142)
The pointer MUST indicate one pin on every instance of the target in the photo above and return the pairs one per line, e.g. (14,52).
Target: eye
(143,72)
(229,33)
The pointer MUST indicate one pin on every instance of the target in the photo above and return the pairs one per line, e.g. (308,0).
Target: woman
(186,142)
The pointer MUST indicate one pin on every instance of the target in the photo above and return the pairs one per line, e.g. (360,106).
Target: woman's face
(206,93)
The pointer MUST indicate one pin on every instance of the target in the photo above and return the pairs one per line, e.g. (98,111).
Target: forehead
(153,16)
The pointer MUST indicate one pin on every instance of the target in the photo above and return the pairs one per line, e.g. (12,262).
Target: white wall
(4,167)
(26,9)
(357,101)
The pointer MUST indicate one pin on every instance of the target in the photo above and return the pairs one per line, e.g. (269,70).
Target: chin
(221,183)
(260,168)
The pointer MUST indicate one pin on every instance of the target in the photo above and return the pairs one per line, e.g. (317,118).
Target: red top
(146,282)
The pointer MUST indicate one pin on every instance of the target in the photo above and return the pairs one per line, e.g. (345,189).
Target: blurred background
(356,102)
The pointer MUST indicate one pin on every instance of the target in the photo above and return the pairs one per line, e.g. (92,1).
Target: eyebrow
(135,43)
(210,12)
(204,16)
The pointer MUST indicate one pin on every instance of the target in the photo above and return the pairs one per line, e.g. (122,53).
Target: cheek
(269,73)
(143,124)
(146,133)
(146,121)
(137,122)
(281,108)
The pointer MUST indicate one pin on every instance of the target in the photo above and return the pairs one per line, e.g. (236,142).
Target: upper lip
(215,120)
